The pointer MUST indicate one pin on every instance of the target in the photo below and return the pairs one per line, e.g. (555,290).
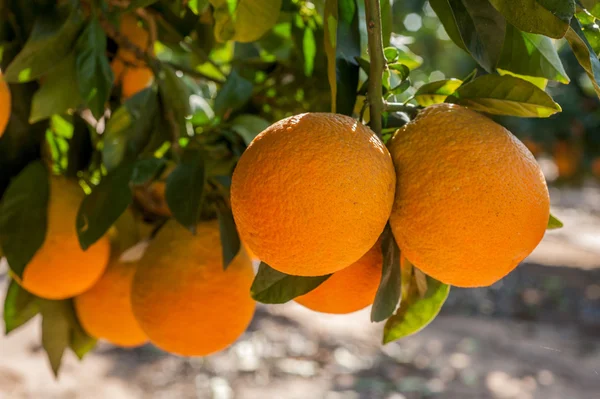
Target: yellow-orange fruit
(471,201)
(105,309)
(136,34)
(183,299)
(60,268)
(566,157)
(312,193)
(5,104)
(349,289)
(134,80)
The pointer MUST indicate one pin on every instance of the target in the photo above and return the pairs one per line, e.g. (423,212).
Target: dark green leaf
(23,216)
(475,26)
(129,128)
(94,74)
(108,200)
(249,126)
(146,170)
(81,147)
(388,293)
(185,189)
(50,42)
(233,95)
(133,4)
(175,101)
(584,53)
(436,92)
(531,55)
(58,93)
(505,95)
(230,240)
(272,286)
(416,312)
(545,17)
(554,223)
(19,307)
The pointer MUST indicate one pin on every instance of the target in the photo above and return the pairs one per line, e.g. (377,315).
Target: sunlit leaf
(505,95)
(436,92)
(545,17)
(19,307)
(554,223)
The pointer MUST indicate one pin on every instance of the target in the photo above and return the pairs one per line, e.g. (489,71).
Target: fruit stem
(409,109)
(375,36)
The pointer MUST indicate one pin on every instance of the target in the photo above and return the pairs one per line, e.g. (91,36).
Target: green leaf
(309,48)
(545,17)
(94,74)
(108,200)
(146,170)
(554,223)
(592,6)
(19,307)
(129,128)
(342,47)
(416,312)
(539,82)
(273,287)
(244,20)
(234,94)
(230,240)
(388,293)
(185,189)
(531,55)
(175,101)
(475,26)
(249,126)
(386,21)
(58,93)
(505,95)
(56,332)
(61,330)
(50,42)
(436,92)
(584,53)
(23,216)
(406,57)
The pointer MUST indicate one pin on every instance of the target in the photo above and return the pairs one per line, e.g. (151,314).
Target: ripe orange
(349,289)
(127,68)
(471,201)
(105,310)
(567,158)
(5,104)
(60,268)
(312,193)
(182,298)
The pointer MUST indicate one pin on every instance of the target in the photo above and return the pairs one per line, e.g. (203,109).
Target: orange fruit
(127,68)
(471,201)
(183,299)
(5,104)
(134,80)
(312,193)
(349,289)
(60,268)
(566,157)
(105,309)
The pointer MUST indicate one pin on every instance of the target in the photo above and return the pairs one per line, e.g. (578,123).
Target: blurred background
(535,334)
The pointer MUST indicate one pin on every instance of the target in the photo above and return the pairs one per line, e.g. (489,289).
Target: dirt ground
(534,335)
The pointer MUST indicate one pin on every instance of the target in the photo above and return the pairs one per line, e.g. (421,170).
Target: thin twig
(409,109)
(375,95)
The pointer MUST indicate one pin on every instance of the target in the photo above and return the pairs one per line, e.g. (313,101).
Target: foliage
(220,78)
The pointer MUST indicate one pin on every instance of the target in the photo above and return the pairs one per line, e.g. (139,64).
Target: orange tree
(148,105)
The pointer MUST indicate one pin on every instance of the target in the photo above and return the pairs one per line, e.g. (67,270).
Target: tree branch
(409,109)
(375,95)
